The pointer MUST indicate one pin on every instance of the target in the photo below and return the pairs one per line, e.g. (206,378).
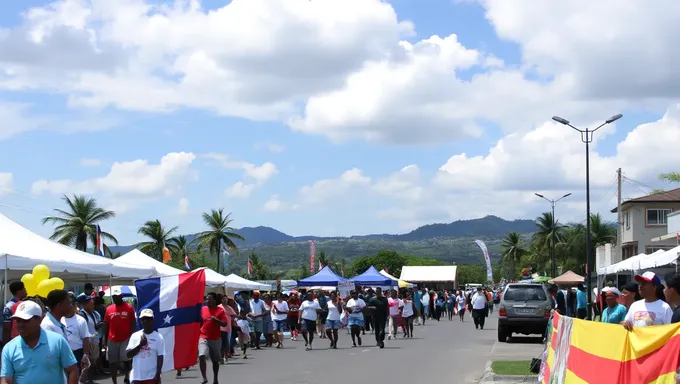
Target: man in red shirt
(120,324)
(210,338)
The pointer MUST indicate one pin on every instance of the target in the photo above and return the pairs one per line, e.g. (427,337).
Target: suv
(525,309)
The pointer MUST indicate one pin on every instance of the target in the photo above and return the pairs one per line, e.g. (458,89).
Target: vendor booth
(326,277)
(372,278)
(402,283)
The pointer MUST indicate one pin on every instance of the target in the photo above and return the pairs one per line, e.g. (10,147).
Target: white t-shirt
(408,309)
(283,307)
(395,304)
(426,299)
(356,305)
(308,310)
(257,308)
(333,312)
(144,363)
(461,302)
(76,331)
(642,313)
(479,301)
(244,325)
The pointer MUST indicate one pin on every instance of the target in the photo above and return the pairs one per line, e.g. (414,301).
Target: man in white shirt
(257,312)
(146,348)
(479,308)
(425,300)
(77,335)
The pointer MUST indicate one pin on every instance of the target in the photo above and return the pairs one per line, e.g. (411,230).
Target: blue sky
(58,113)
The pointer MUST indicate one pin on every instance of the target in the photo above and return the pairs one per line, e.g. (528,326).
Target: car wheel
(502,335)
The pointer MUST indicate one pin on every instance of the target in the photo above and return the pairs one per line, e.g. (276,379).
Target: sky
(332,117)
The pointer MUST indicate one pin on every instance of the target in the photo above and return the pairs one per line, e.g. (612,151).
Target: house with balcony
(644,223)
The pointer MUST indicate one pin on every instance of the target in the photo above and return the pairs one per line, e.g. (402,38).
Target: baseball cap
(649,277)
(613,290)
(27,310)
(83,298)
(116,292)
(148,312)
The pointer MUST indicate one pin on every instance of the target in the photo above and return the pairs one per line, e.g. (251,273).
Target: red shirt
(210,329)
(294,307)
(119,318)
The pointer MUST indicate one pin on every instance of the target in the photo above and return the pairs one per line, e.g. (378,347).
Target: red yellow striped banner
(581,351)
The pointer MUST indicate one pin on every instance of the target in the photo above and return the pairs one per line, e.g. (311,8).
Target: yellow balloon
(57,283)
(41,272)
(30,284)
(44,288)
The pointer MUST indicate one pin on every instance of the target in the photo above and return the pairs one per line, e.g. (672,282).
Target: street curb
(490,377)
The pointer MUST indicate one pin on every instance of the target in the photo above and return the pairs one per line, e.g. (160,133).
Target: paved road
(450,351)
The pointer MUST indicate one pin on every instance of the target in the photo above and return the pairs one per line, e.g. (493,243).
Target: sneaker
(244,356)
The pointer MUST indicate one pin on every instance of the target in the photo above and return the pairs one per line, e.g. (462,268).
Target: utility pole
(619,233)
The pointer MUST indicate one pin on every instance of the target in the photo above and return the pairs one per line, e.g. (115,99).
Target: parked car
(525,309)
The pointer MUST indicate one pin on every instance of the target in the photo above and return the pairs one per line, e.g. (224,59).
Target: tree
(159,237)
(385,259)
(323,259)
(303,272)
(219,233)
(471,273)
(513,251)
(670,177)
(77,226)
(260,270)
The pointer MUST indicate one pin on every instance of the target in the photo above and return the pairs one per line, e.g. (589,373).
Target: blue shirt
(416,299)
(50,323)
(581,299)
(43,364)
(614,316)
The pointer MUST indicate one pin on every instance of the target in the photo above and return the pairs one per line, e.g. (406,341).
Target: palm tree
(219,233)
(181,246)
(513,250)
(78,225)
(601,232)
(323,259)
(159,237)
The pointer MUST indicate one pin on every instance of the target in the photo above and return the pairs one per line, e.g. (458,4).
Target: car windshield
(525,293)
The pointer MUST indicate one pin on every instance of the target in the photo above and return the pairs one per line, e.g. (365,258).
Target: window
(653,248)
(626,218)
(657,216)
(525,293)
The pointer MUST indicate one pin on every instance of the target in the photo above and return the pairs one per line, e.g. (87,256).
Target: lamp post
(587,138)
(553,269)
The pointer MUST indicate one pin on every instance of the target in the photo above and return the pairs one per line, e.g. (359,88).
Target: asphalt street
(450,351)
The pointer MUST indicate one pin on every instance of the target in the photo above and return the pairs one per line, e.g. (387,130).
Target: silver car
(525,309)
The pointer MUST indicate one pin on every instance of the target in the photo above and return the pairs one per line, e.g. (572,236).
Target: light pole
(553,269)
(587,138)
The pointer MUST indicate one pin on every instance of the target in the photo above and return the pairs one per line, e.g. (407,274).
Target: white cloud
(16,119)
(6,179)
(326,189)
(183,206)
(259,173)
(271,147)
(130,182)
(274,204)
(240,190)
(90,162)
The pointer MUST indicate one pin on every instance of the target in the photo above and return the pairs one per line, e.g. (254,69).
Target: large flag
(489,272)
(100,242)
(312,256)
(166,254)
(176,302)
(581,351)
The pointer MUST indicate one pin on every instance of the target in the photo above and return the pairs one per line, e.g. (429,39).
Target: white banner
(344,289)
(489,272)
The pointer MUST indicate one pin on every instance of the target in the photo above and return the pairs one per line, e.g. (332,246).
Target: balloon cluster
(39,282)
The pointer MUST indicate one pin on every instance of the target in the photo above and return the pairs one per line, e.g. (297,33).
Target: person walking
(225,332)
(146,348)
(267,322)
(309,314)
(581,301)
(120,323)
(418,305)
(280,317)
(355,307)
(294,315)
(94,325)
(333,319)
(408,314)
(256,315)
(479,308)
(396,308)
(460,302)
(78,337)
(380,308)
(425,301)
(210,337)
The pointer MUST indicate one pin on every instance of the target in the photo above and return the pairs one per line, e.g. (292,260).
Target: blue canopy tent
(324,278)
(373,278)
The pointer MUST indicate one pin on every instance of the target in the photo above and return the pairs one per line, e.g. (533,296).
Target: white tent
(630,264)
(237,282)
(212,278)
(137,257)
(660,259)
(434,274)
(402,283)
(21,250)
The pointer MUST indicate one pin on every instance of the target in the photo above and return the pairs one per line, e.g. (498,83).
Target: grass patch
(504,367)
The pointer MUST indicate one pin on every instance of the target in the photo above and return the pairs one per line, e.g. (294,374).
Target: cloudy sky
(332,117)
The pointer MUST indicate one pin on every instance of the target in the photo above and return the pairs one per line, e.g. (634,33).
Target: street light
(553,269)
(587,138)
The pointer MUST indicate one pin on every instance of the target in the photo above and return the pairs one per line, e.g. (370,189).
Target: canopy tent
(137,257)
(237,282)
(568,277)
(212,278)
(629,264)
(325,277)
(372,278)
(21,250)
(126,290)
(442,273)
(660,259)
(402,283)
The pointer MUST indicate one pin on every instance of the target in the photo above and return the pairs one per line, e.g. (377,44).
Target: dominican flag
(176,302)
(100,243)
(186,262)
(250,267)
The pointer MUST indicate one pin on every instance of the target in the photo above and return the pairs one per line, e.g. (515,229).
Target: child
(244,332)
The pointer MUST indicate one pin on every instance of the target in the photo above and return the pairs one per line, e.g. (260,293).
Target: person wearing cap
(88,289)
(651,310)
(672,293)
(120,323)
(146,349)
(37,355)
(614,313)
(77,334)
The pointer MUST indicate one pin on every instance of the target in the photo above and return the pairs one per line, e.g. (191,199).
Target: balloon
(30,284)
(57,283)
(44,288)
(41,272)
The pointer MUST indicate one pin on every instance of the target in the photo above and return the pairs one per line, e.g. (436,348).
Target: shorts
(257,326)
(95,350)
(308,325)
(355,321)
(116,352)
(225,341)
(210,348)
(293,323)
(280,325)
(333,324)
(78,354)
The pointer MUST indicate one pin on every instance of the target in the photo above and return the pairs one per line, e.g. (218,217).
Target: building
(645,219)
(434,277)
(672,229)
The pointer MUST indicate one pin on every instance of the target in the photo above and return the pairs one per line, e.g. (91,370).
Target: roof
(371,277)
(672,196)
(429,273)
(568,277)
